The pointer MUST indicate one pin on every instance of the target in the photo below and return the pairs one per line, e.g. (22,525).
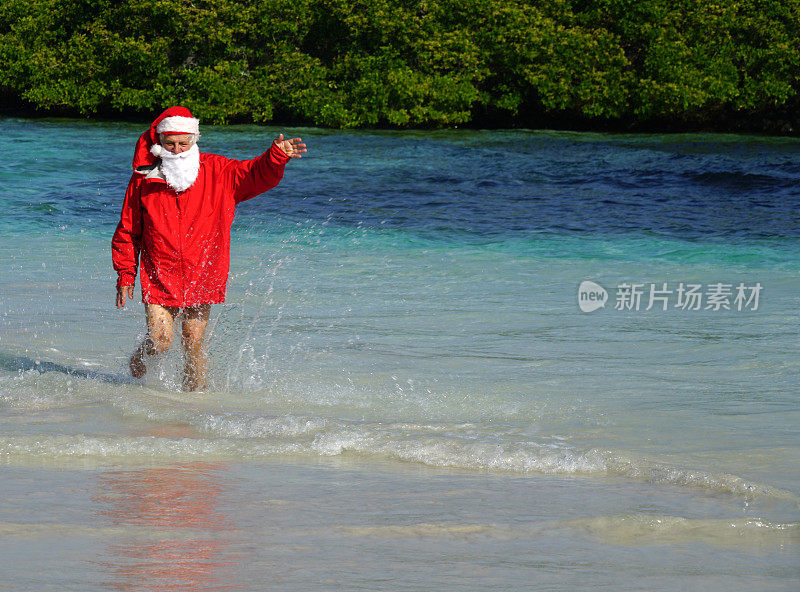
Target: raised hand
(293,148)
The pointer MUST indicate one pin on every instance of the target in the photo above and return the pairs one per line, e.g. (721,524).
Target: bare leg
(193,329)
(160,320)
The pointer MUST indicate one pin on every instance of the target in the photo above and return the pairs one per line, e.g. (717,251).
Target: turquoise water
(405,393)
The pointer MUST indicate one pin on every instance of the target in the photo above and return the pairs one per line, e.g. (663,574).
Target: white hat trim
(177,123)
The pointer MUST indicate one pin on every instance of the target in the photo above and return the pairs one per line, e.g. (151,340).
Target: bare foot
(138,369)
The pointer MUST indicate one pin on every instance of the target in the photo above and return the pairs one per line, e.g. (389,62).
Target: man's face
(177,143)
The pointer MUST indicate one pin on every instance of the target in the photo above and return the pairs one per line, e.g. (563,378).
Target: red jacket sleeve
(127,241)
(254,177)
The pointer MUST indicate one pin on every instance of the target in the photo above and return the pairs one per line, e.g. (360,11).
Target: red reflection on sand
(177,537)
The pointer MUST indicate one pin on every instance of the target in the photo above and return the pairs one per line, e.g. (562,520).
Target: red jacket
(183,239)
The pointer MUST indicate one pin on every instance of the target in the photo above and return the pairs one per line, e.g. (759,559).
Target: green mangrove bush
(403,63)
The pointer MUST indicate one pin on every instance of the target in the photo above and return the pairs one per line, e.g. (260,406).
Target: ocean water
(412,387)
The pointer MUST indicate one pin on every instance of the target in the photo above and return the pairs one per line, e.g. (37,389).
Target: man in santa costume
(176,226)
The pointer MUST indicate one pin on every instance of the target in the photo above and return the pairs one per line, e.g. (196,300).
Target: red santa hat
(175,120)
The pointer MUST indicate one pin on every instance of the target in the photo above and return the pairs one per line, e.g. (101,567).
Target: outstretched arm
(293,148)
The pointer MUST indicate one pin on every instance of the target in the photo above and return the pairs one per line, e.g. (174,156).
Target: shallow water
(405,393)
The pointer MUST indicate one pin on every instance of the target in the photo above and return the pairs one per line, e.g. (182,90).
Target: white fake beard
(180,170)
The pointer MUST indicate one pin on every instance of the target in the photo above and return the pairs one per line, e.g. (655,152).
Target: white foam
(254,434)
(657,473)
(238,437)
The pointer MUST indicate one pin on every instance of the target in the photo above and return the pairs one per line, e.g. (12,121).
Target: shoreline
(780,124)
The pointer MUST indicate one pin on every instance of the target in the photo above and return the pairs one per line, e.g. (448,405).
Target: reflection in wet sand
(189,548)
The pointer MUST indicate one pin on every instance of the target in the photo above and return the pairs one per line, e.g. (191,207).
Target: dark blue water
(520,184)
(495,185)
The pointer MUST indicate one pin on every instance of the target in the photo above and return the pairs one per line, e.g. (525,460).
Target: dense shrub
(362,63)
